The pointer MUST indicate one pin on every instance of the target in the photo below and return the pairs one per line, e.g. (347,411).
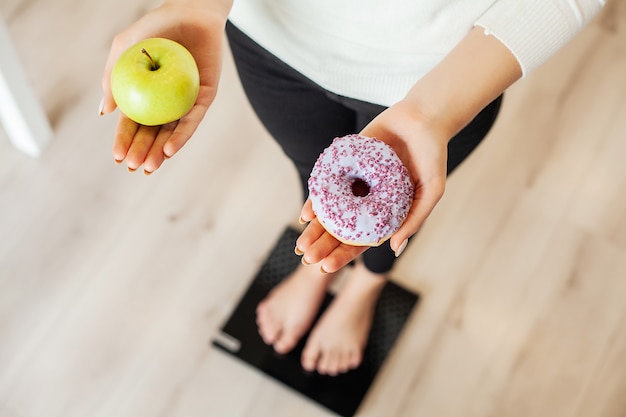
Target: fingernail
(118,161)
(101,107)
(304,262)
(147,173)
(402,247)
(301,220)
(132,169)
(322,270)
(298,251)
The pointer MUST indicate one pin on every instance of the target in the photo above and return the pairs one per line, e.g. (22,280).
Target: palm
(151,145)
(423,153)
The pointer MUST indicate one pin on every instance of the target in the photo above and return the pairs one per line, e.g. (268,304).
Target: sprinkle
(363,220)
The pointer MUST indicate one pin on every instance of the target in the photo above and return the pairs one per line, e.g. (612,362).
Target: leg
(303,120)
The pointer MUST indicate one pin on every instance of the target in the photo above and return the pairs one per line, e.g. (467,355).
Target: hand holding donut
(422,150)
(200,30)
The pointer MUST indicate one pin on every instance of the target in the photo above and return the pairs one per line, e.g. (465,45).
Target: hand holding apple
(200,28)
(155,81)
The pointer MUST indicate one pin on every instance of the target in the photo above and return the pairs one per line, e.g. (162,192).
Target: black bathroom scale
(341,394)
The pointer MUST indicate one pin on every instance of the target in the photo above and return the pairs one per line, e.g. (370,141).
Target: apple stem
(153,65)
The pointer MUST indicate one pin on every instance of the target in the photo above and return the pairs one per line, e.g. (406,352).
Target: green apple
(155,81)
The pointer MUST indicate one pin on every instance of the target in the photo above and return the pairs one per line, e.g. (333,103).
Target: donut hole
(360,188)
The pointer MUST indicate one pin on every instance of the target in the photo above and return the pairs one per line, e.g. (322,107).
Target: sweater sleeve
(533,30)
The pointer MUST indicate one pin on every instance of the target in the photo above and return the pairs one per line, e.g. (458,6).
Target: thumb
(107,104)
(427,195)
(307,214)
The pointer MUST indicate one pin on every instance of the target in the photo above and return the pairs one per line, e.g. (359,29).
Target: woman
(426,77)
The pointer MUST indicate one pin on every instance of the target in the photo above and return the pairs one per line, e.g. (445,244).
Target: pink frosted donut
(360,190)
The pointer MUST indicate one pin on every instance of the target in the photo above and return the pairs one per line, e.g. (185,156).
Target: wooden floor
(112,284)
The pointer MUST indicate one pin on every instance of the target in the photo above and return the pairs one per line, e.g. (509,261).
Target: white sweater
(375,50)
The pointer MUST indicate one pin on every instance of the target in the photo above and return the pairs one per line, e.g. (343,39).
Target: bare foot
(337,341)
(288,311)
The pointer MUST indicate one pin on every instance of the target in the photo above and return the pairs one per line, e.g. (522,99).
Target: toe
(354,359)
(334,363)
(310,356)
(269,334)
(343,364)
(285,343)
(325,363)
(269,329)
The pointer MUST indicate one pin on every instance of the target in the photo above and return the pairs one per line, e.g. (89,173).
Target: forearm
(481,67)
(472,75)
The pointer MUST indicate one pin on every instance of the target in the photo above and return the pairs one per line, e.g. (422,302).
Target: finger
(307,214)
(341,256)
(124,134)
(188,124)
(320,249)
(309,235)
(107,105)
(155,156)
(117,48)
(139,148)
(427,197)
(179,137)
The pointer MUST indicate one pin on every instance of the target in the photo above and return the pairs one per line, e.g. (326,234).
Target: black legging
(304,118)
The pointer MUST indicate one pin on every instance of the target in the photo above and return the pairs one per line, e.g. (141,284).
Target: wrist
(470,77)
(418,115)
